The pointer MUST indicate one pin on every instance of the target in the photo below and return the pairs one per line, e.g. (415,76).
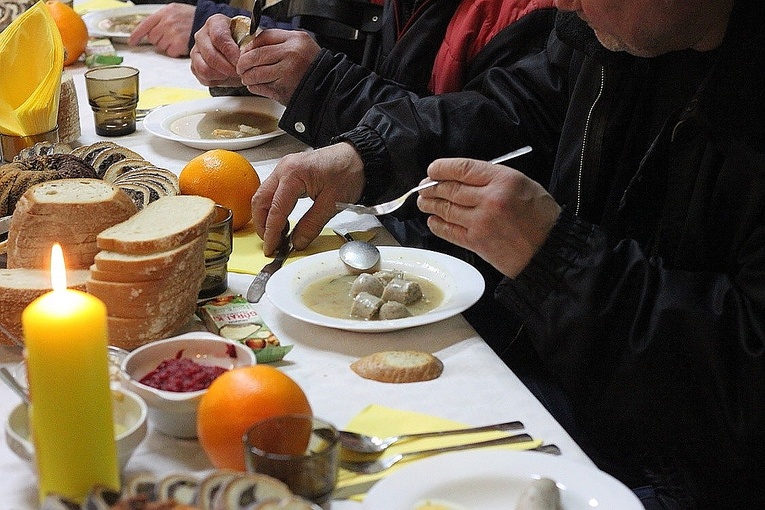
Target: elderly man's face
(647,28)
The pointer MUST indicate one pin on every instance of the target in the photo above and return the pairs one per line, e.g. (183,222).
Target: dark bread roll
(17,177)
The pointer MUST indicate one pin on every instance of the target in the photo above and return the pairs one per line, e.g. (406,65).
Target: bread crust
(398,366)
(19,287)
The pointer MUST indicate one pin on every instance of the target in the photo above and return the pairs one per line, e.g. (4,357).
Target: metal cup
(301,451)
(113,97)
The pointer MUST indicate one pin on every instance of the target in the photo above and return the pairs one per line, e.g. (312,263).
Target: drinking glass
(300,450)
(113,97)
(217,252)
(11,145)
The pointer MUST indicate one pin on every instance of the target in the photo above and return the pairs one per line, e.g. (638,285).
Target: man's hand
(327,175)
(168,29)
(274,62)
(215,53)
(492,210)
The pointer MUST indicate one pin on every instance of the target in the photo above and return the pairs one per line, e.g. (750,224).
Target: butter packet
(233,317)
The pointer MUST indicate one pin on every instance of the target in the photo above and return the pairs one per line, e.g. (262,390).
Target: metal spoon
(358,255)
(370,444)
(376,466)
(6,376)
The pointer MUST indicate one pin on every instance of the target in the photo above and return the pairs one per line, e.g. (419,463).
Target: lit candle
(66,339)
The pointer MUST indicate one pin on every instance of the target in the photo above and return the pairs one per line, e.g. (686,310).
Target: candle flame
(57,268)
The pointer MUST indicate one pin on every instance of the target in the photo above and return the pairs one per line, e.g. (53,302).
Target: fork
(376,466)
(392,205)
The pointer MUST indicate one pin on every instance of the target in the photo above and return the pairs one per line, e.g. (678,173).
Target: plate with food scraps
(117,24)
(490,479)
(316,289)
(233,123)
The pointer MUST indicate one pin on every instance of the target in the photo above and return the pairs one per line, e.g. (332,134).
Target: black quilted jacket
(647,303)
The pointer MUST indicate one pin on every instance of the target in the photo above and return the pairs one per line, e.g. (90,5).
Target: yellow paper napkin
(32,62)
(99,5)
(247,255)
(383,421)
(158,96)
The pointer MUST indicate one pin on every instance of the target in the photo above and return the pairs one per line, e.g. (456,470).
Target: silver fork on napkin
(376,466)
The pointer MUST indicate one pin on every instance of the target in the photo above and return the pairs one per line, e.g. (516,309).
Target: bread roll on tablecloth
(398,366)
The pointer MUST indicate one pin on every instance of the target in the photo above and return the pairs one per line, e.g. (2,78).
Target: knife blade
(5,223)
(258,285)
(257,12)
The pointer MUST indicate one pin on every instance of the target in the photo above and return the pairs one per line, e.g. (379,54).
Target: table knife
(258,285)
(257,12)
(5,223)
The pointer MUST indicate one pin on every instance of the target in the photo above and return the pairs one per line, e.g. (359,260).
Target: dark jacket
(336,92)
(647,301)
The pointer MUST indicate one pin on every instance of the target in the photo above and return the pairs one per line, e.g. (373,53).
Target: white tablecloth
(476,387)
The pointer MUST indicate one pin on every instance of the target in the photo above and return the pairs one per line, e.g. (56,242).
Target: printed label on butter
(235,318)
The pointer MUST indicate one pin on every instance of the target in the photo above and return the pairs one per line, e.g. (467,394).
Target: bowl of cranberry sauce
(172,375)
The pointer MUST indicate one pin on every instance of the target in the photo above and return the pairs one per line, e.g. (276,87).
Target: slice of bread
(251,489)
(151,266)
(130,333)
(19,287)
(398,366)
(134,300)
(162,225)
(76,255)
(68,196)
(68,212)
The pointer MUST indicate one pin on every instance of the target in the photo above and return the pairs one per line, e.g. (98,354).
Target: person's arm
(398,139)
(593,306)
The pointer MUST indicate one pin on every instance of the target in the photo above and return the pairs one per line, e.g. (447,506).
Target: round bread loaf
(398,366)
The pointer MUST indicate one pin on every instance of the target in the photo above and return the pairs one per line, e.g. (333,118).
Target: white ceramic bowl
(129,411)
(175,413)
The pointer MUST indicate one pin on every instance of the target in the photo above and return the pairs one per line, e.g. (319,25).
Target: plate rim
(284,279)
(92,18)
(154,122)
(472,463)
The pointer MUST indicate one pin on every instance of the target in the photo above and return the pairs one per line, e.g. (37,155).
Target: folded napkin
(247,255)
(382,421)
(158,96)
(99,5)
(32,62)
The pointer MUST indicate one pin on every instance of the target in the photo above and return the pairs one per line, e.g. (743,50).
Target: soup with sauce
(331,296)
(210,125)
(122,24)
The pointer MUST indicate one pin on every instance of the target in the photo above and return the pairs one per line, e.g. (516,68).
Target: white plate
(460,282)
(158,121)
(98,22)
(493,479)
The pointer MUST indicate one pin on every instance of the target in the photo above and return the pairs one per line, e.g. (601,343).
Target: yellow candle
(66,338)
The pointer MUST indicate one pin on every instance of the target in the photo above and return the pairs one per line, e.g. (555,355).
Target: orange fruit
(225,177)
(238,399)
(73,30)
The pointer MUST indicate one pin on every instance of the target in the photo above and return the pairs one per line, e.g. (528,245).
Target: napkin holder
(68,111)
